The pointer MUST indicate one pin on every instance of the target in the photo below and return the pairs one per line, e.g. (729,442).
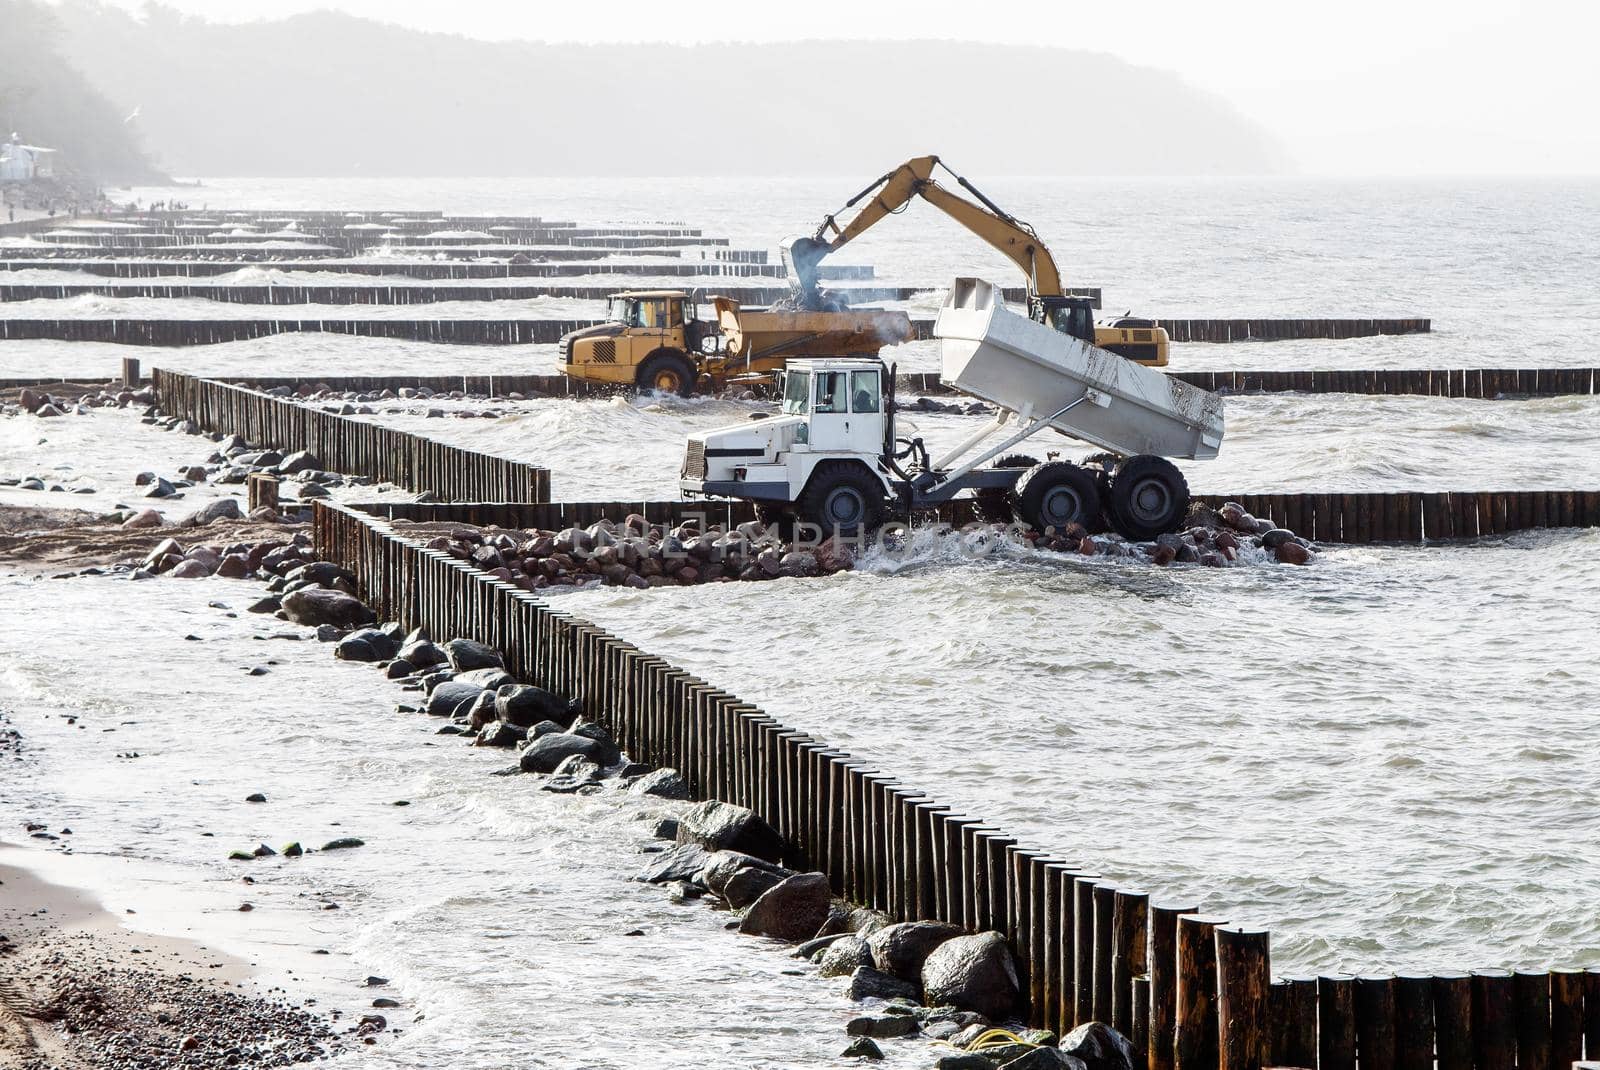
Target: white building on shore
(23,163)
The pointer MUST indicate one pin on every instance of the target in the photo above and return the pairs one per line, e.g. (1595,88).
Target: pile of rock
(1215,538)
(235,459)
(637,553)
(290,562)
(66,398)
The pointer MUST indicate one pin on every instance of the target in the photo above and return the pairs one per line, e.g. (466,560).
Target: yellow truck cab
(650,339)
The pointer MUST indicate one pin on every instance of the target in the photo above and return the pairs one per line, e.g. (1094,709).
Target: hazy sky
(1361,87)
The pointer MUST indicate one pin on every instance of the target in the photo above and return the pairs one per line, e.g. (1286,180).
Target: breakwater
(352,447)
(296,294)
(1281,330)
(181,332)
(417,269)
(1484,383)
(1194,991)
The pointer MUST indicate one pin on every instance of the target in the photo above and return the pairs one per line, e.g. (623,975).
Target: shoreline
(79,988)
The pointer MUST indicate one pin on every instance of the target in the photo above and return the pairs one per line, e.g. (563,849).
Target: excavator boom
(891,193)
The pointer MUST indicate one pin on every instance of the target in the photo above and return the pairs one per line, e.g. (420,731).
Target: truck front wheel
(1149,497)
(1055,494)
(842,499)
(666,372)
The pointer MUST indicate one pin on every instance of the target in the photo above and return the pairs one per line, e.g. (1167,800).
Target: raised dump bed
(1091,394)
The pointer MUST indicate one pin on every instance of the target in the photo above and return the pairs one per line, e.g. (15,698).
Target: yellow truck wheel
(666,371)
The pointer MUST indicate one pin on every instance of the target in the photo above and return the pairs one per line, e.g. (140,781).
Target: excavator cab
(1072,316)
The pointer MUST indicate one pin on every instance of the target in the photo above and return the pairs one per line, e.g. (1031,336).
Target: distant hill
(47,101)
(329,94)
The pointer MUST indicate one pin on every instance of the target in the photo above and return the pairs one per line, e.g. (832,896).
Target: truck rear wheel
(667,372)
(1149,497)
(1055,494)
(842,499)
(994,503)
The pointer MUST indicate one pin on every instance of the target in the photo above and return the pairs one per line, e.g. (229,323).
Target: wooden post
(1104,916)
(1375,1022)
(1195,1027)
(1162,958)
(1413,1018)
(262,489)
(1452,1021)
(1494,1039)
(1532,1011)
(130,371)
(1130,914)
(1336,1023)
(1566,1017)
(1083,948)
(1292,1015)
(1591,1014)
(1244,971)
(1140,1036)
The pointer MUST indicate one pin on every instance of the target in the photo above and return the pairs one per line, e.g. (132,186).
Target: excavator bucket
(801,255)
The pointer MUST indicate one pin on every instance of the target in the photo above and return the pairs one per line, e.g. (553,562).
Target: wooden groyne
(351,446)
(1476,383)
(180,332)
(1429,382)
(1196,991)
(1359,517)
(419,269)
(1283,330)
(164,332)
(403,294)
(1437,382)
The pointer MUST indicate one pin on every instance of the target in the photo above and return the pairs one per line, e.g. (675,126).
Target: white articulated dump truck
(833,458)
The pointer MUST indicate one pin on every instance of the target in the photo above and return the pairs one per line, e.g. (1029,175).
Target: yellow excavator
(1139,340)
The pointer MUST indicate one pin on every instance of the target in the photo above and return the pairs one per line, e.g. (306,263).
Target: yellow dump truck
(652,340)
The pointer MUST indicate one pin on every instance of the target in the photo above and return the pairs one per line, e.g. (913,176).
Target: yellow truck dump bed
(763,340)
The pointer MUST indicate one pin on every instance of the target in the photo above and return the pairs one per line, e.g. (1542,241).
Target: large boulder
(975,973)
(902,948)
(422,654)
(368,644)
(550,750)
(318,605)
(221,509)
(842,957)
(681,863)
(881,1026)
(1099,1047)
(500,734)
(467,654)
(661,783)
(492,678)
(447,696)
(720,826)
(868,983)
(721,866)
(793,910)
(748,885)
(527,705)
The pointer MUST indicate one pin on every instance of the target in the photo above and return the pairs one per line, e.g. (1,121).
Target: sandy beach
(78,989)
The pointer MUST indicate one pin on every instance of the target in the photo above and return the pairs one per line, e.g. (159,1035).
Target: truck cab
(650,339)
(834,427)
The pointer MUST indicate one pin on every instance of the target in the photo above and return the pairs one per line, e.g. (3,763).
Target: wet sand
(78,989)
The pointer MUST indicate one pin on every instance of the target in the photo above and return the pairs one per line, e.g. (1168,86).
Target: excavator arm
(890,194)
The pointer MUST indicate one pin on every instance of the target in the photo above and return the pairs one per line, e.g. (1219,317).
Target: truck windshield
(796,392)
(620,311)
